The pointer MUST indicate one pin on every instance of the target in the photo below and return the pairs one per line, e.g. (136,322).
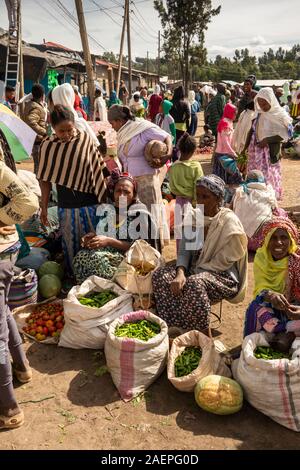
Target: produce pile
(50,276)
(46,321)
(268,353)
(242,159)
(142,329)
(143,269)
(97,299)
(187,361)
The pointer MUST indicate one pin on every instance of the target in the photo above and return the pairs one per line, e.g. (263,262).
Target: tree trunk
(186,77)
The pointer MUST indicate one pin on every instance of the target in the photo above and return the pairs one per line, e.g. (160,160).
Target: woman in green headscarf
(113,99)
(164,119)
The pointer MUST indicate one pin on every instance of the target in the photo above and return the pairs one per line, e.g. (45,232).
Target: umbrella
(20,137)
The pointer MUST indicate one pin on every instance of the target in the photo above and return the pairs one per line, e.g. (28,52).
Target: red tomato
(59,325)
(40,322)
(51,329)
(45,331)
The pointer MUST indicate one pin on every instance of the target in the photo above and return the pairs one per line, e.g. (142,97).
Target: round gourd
(51,267)
(154,151)
(49,286)
(219,395)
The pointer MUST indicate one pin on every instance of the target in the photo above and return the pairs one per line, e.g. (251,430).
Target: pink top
(224,143)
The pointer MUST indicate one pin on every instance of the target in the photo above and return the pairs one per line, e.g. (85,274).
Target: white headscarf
(274,122)
(157,90)
(192,95)
(65,96)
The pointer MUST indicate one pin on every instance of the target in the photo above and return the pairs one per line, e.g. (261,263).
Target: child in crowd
(225,158)
(136,105)
(183,175)
(207,139)
(164,120)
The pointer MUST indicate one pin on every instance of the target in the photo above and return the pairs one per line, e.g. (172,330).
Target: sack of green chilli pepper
(89,310)
(192,357)
(136,351)
(272,386)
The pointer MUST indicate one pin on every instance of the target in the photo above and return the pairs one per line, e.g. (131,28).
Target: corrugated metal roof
(55,45)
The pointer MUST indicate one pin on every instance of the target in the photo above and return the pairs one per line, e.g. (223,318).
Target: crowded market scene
(149,227)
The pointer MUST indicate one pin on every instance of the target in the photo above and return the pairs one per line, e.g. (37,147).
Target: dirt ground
(84,411)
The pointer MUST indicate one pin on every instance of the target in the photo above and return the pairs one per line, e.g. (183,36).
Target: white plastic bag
(140,254)
(86,327)
(211,363)
(271,386)
(134,364)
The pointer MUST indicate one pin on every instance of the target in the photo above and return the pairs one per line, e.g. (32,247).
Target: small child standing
(184,173)
(225,158)
(164,120)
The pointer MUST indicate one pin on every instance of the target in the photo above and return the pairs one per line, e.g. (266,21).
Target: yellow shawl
(270,274)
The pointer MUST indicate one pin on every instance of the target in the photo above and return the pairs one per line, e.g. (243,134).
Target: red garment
(78,108)
(154,104)
(227,118)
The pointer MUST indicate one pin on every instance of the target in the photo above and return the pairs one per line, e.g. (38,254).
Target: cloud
(257,41)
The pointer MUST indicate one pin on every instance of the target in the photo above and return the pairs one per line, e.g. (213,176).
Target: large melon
(219,395)
(51,267)
(49,286)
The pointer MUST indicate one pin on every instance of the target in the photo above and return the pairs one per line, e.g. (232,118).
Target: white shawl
(133,128)
(226,244)
(65,96)
(242,130)
(274,122)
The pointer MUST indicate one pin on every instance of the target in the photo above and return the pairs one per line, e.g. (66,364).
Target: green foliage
(184,24)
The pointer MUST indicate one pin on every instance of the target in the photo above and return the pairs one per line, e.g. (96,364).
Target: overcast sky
(256,24)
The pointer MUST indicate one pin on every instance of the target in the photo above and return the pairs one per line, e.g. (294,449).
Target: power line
(54,17)
(137,23)
(72,20)
(142,18)
(120,26)
(115,7)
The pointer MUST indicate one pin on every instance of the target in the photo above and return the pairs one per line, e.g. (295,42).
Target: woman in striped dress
(70,159)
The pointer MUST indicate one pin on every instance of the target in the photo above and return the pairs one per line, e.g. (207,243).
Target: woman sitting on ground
(277,282)
(255,204)
(184,293)
(104,249)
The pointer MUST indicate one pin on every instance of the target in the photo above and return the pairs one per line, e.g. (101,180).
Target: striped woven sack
(23,289)
(271,386)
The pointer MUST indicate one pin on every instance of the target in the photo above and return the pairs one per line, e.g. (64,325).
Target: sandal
(23,377)
(12,422)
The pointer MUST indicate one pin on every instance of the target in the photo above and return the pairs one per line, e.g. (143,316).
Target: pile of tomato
(46,321)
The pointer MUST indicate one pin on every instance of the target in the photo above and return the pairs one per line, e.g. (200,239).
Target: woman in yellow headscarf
(277,281)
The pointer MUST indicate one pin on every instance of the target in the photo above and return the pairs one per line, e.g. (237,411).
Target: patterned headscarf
(215,184)
(115,177)
(271,274)
(281,222)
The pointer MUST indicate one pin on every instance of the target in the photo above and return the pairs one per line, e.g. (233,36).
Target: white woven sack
(211,363)
(134,364)
(271,386)
(86,327)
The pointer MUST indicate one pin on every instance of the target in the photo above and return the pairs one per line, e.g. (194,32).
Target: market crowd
(157,172)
